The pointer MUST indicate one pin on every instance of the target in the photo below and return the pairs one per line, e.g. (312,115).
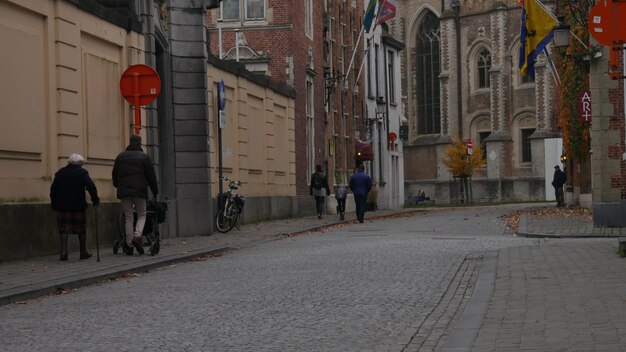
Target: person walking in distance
(558,181)
(67,196)
(360,184)
(319,189)
(133,172)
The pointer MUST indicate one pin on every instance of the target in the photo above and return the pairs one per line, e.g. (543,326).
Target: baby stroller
(156,213)
(341,195)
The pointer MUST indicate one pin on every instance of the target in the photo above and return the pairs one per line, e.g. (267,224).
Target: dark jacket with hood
(67,192)
(133,172)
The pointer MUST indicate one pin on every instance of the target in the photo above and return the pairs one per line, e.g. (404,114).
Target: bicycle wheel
(225,219)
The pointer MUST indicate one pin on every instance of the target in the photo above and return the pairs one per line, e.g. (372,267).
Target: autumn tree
(456,158)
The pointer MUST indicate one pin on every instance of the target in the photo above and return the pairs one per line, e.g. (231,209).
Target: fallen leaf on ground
(512,219)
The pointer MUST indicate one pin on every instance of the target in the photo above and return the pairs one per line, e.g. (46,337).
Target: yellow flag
(537,26)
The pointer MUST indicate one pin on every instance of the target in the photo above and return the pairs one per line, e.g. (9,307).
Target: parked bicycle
(230,205)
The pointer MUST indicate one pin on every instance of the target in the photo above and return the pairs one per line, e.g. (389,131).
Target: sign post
(470,151)
(140,85)
(392,136)
(221,115)
(606,25)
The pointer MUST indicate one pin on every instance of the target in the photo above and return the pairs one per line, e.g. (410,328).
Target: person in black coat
(67,196)
(133,172)
(558,181)
(319,189)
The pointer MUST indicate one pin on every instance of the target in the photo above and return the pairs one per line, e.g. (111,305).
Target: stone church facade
(461,80)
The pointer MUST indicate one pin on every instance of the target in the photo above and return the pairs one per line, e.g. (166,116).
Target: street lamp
(330,81)
(381,109)
(561,33)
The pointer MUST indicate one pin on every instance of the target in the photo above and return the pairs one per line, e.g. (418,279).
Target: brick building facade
(289,42)
(608,143)
(461,80)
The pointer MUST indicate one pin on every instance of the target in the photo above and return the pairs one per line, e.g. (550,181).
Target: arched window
(525,127)
(428,68)
(483,65)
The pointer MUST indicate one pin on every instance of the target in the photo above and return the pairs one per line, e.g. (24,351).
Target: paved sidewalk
(565,293)
(559,295)
(564,227)
(27,279)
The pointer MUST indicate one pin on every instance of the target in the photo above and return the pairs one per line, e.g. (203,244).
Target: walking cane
(97,243)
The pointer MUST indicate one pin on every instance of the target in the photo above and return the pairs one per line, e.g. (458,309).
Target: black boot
(63,246)
(82,239)
(138,244)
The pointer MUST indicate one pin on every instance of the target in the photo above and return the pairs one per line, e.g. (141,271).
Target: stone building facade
(62,63)
(461,80)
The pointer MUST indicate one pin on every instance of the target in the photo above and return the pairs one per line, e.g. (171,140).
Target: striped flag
(387,11)
(370,12)
(536,33)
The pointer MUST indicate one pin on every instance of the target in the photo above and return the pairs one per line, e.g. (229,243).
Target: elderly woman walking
(67,195)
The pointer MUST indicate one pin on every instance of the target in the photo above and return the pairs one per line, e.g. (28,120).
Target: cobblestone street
(387,285)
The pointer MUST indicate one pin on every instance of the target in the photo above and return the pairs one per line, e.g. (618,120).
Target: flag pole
(358,40)
(375,19)
(369,45)
(555,73)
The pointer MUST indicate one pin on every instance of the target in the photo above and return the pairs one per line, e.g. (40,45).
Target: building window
(308,18)
(391,78)
(526,79)
(483,66)
(483,145)
(428,67)
(370,90)
(310,126)
(526,150)
(376,66)
(249,10)
(343,55)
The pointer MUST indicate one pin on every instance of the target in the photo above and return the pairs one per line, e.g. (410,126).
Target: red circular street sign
(140,84)
(605,22)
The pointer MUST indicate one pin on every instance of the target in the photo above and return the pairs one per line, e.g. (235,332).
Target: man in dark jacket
(67,198)
(319,189)
(133,172)
(360,185)
(558,181)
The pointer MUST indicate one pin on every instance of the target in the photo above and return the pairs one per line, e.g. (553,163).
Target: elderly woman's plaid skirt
(73,222)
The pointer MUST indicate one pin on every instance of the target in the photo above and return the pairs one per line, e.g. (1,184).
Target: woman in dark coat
(319,189)
(67,195)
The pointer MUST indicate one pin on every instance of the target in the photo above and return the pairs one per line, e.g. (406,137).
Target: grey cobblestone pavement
(564,227)
(563,291)
(26,279)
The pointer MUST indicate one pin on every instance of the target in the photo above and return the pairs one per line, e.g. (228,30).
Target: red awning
(363,151)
